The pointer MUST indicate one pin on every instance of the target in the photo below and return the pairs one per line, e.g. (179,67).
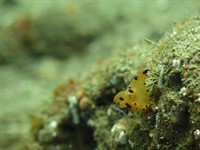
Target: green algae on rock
(171,123)
(178,116)
(67,111)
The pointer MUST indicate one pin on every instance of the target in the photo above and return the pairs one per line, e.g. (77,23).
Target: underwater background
(62,63)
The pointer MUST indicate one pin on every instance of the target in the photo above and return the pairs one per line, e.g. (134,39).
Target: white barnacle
(176,63)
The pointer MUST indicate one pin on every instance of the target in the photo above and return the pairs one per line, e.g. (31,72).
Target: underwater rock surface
(84,116)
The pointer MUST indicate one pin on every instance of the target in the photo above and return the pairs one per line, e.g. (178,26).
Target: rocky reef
(84,116)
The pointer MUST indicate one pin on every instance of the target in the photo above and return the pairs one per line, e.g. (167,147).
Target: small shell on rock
(84,103)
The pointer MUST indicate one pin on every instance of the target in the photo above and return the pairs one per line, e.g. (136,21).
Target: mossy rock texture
(175,75)
(84,107)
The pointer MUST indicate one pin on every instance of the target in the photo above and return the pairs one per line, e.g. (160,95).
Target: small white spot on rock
(53,124)
(197,134)
(122,137)
(176,63)
(73,109)
(113,128)
(183,91)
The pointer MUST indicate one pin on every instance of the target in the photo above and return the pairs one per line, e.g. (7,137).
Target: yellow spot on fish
(136,96)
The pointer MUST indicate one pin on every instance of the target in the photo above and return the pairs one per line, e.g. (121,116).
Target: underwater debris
(85,103)
(160,79)
(183,91)
(136,96)
(176,63)
(122,112)
(186,74)
(122,138)
(118,132)
(197,134)
(73,109)
(198,99)
(53,124)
